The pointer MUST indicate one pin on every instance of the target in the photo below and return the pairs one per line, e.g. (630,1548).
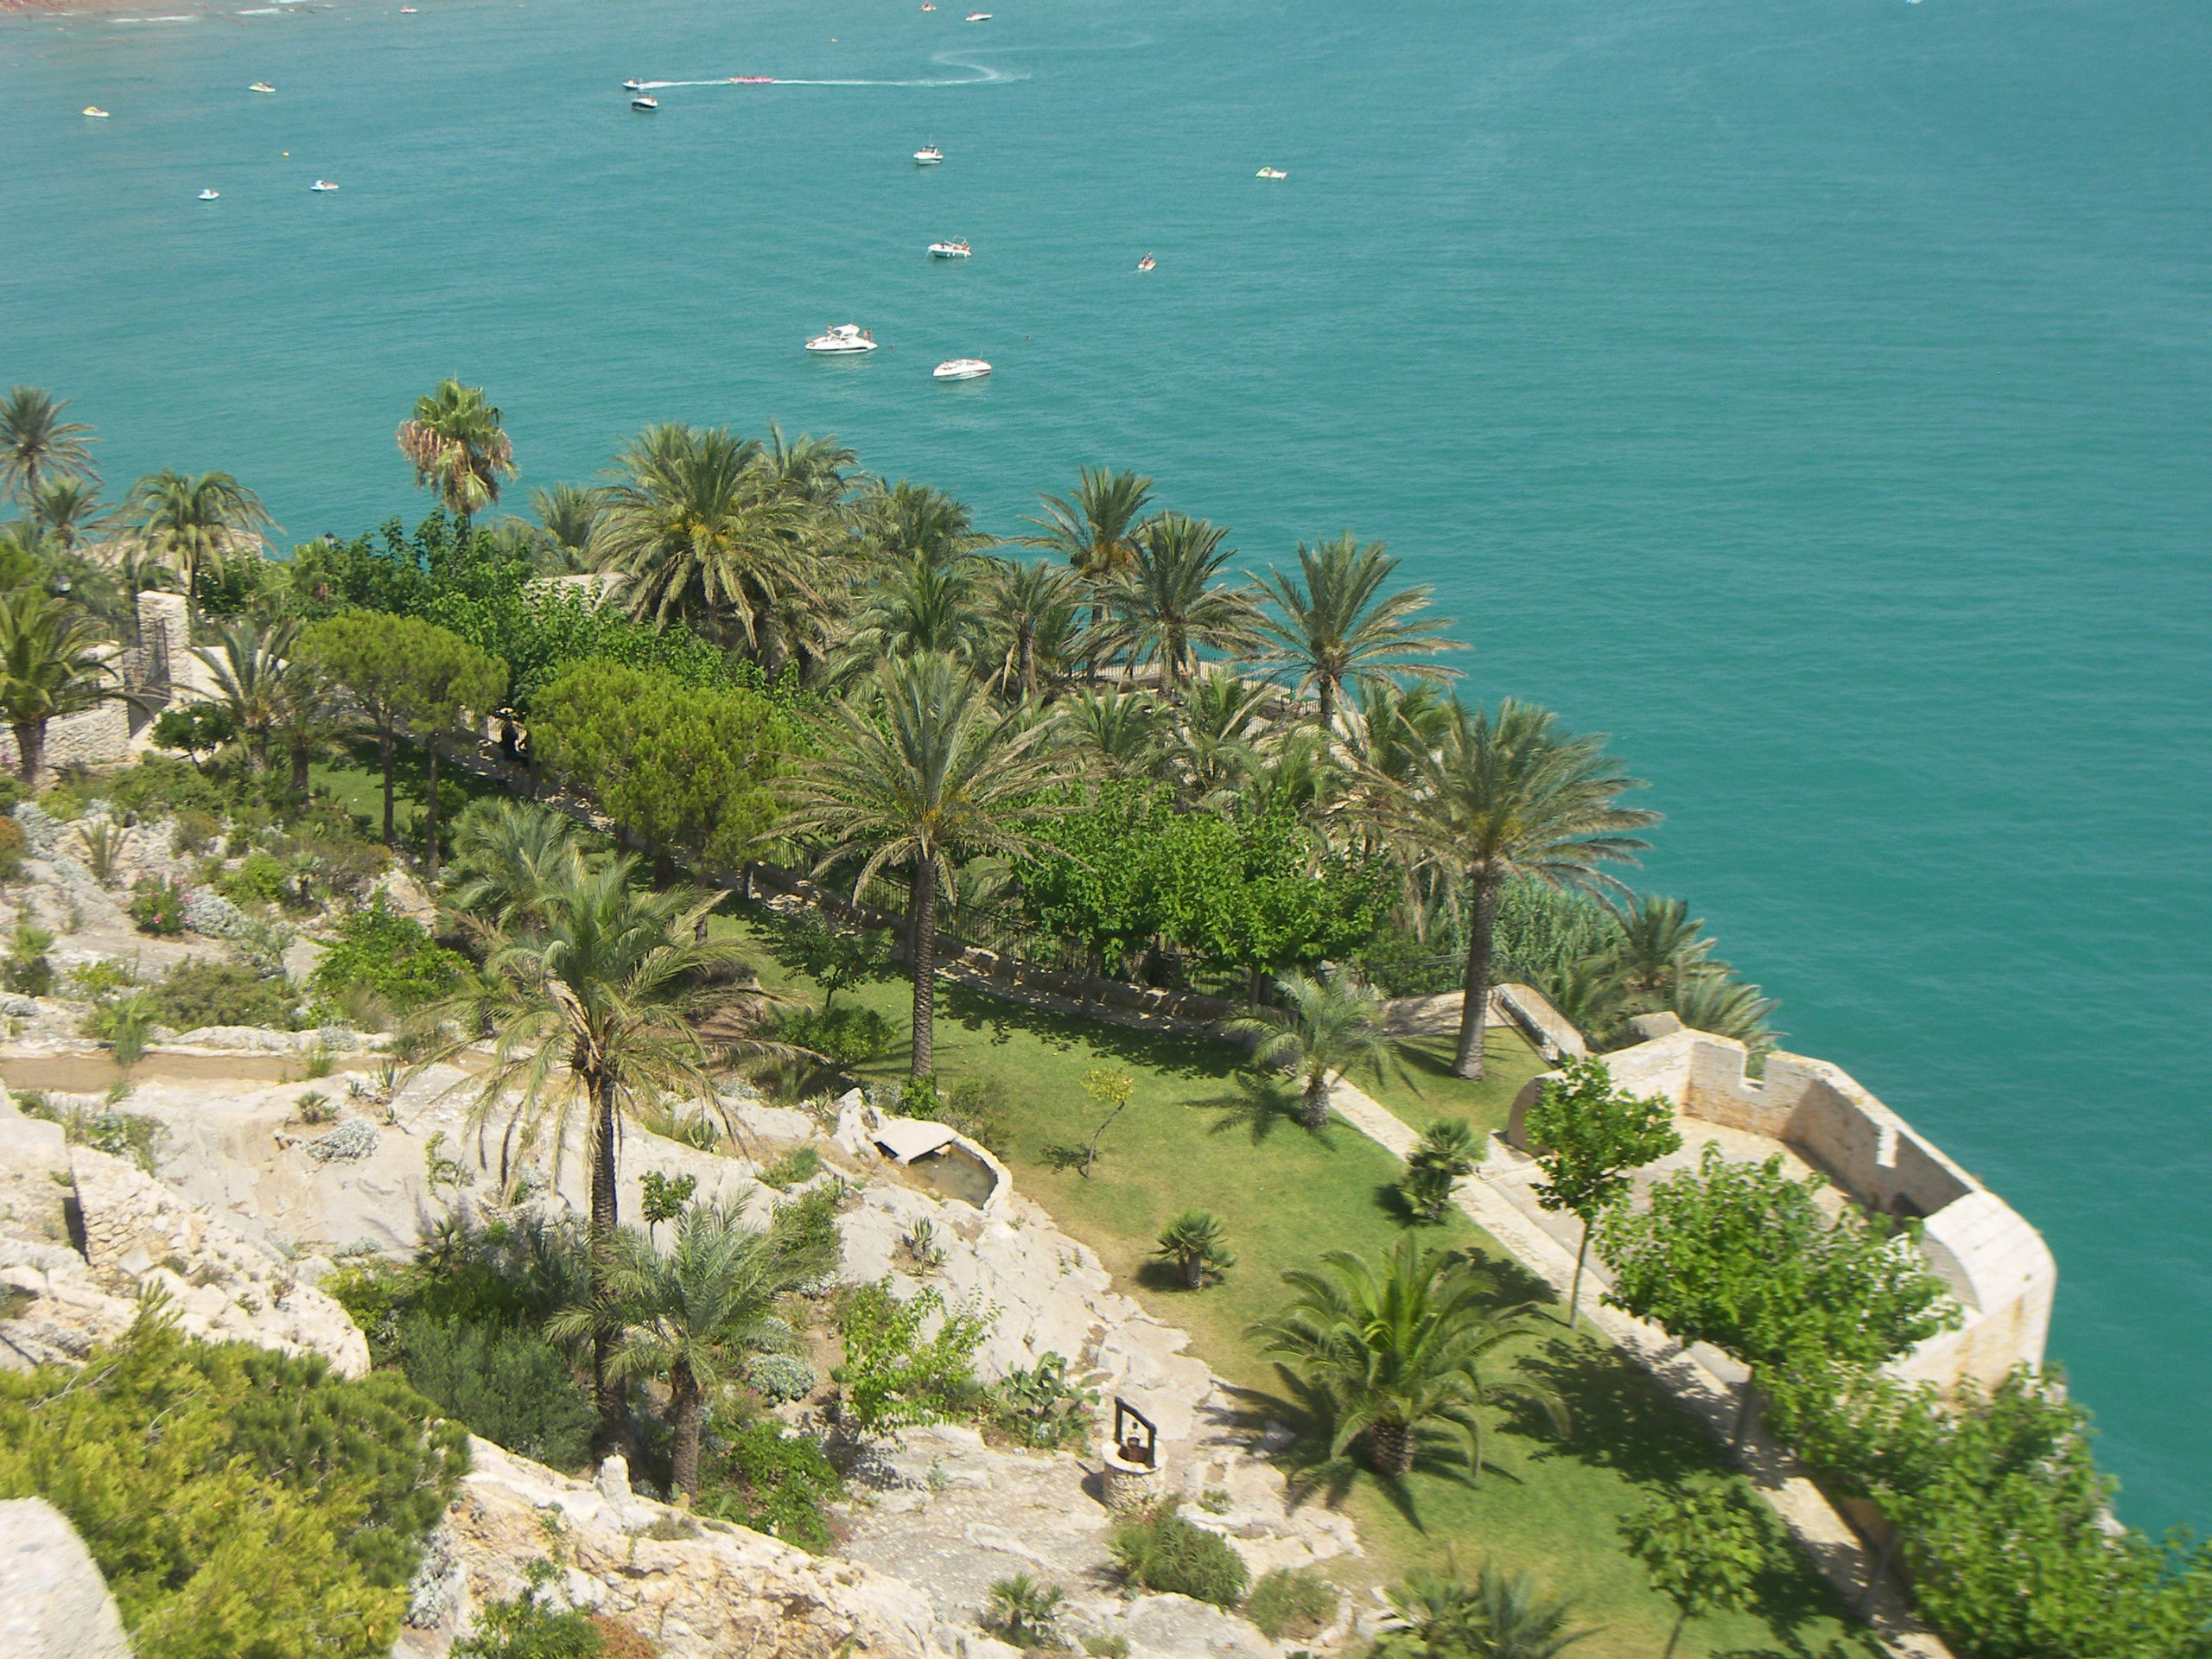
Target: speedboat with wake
(752,80)
(960,368)
(844,339)
(633,86)
(645,101)
(949,250)
(928,156)
(1147,263)
(211,195)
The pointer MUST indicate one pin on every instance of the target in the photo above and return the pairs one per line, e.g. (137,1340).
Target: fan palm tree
(1196,1242)
(51,665)
(37,443)
(594,1016)
(691,1316)
(507,855)
(1509,796)
(697,524)
(67,510)
(1167,607)
(1398,1353)
(1440,1616)
(458,447)
(188,523)
(568,517)
(248,665)
(1029,599)
(1095,531)
(916,767)
(1335,626)
(1327,1026)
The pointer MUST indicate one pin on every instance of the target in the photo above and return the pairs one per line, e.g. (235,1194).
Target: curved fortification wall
(1996,1265)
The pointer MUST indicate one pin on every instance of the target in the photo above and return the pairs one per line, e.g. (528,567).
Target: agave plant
(104,843)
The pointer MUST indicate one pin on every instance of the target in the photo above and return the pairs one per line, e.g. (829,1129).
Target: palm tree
(1712,1002)
(457,447)
(1195,1242)
(1512,796)
(913,768)
(1448,1149)
(1027,1610)
(568,517)
(1440,1616)
(1329,1026)
(697,524)
(1296,773)
(37,443)
(905,523)
(1398,1353)
(67,509)
(594,1015)
(189,522)
(1167,607)
(1658,947)
(1030,601)
(920,604)
(1118,730)
(51,665)
(304,718)
(1335,628)
(693,1315)
(1096,532)
(1216,729)
(248,665)
(507,855)
(815,472)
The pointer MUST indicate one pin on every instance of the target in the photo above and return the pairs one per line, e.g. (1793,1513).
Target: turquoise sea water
(1811,393)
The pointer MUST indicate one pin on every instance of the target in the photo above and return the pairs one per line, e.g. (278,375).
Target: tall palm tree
(67,510)
(915,767)
(692,1315)
(305,717)
(51,665)
(1509,796)
(1335,625)
(507,855)
(1216,735)
(188,523)
(1326,1027)
(37,443)
(920,604)
(1030,602)
(594,1016)
(568,517)
(1398,1353)
(1095,531)
(697,524)
(905,523)
(248,666)
(1115,730)
(1440,1616)
(1168,608)
(815,472)
(458,447)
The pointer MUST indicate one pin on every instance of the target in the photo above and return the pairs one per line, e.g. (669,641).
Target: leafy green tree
(1336,628)
(1170,606)
(1398,1352)
(51,666)
(1739,1255)
(1326,1027)
(1261,892)
(36,444)
(690,772)
(1510,797)
(453,688)
(896,1374)
(1590,1138)
(833,956)
(918,768)
(458,447)
(1196,1242)
(191,523)
(1439,1615)
(1704,1550)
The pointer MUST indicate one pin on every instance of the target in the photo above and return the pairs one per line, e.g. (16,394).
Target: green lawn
(1193,1138)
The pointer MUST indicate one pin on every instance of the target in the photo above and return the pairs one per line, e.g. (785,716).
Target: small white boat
(845,338)
(979,17)
(406,10)
(1147,263)
(960,368)
(211,195)
(96,112)
(645,101)
(949,250)
(928,156)
(261,87)
(322,184)
(633,86)
(1271,172)
(929,5)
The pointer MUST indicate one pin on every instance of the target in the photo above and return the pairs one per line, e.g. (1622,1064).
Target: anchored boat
(960,368)
(949,249)
(845,338)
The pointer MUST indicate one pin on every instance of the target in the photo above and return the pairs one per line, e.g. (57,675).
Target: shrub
(894,1378)
(196,993)
(531,1626)
(157,905)
(390,956)
(194,832)
(778,1377)
(121,1134)
(1027,1610)
(508,1384)
(777,1484)
(803,1164)
(1288,1604)
(101,978)
(976,1107)
(261,880)
(1040,1404)
(1164,1553)
(845,1036)
(15,846)
(27,972)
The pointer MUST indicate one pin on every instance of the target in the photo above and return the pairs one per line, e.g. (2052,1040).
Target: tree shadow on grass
(1260,1105)
(1151,1050)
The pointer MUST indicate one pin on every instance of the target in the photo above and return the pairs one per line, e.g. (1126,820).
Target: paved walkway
(1825,1535)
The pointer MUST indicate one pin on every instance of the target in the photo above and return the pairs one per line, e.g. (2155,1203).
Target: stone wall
(1996,1265)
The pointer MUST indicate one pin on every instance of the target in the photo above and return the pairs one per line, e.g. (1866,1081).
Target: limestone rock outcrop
(54,1603)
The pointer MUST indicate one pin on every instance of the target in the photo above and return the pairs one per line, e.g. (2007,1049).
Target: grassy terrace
(1193,1138)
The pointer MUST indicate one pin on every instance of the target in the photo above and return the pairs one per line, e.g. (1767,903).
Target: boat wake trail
(984,74)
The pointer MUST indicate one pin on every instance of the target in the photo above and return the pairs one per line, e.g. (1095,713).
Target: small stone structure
(1996,1265)
(158,671)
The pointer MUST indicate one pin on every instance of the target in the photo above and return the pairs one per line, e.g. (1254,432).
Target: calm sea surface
(1816,395)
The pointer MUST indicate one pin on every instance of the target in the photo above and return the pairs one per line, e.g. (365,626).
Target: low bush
(508,1384)
(261,880)
(845,1036)
(390,957)
(15,846)
(1164,1553)
(157,906)
(1288,1604)
(780,1484)
(803,1164)
(27,972)
(1040,1407)
(103,978)
(533,1625)
(196,993)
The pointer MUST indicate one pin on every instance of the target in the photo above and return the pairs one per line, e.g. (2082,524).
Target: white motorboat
(1271,172)
(928,156)
(1147,263)
(261,87)
(960,368)
(322,184)
(979,17)
(949,250)
(633,86)
(96,112)
(211,195)
(844,338)
(645,101)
